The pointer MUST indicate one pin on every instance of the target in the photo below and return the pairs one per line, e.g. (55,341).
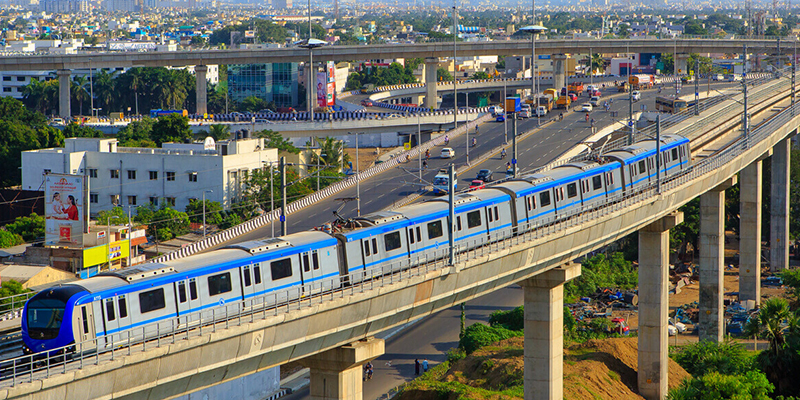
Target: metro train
(111,305)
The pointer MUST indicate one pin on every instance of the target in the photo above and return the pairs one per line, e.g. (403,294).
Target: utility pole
(794,68)
(658,152)
(451,188)
(514,144)
(271,196)
(455,70)
(419,146)
(697,87)
(630,101)
(745,120)
(282,167)
(505,113)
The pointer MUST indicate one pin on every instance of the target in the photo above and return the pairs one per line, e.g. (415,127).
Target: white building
(128,176)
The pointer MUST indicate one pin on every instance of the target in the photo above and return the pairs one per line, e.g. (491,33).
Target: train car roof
(98,283)
(640,150)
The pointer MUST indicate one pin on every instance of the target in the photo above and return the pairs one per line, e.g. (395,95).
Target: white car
(591,88)
(525,113)
(679,326)
(636,95)
(586,107)
(594,101)
(541,111)
(448,152)
(496,110)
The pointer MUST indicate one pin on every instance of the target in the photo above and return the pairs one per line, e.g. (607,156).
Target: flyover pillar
(779,207)
(431,98)
(712,258)
(681,64)
(750,233)
(63,93)
(544,332)
(559,71)
(337,374)
(653,305)
(201,88)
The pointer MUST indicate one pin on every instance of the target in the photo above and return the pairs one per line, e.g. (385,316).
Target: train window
(151,300)
(496,214)
(411,235)
(491,216)
(123,307)
(306,263)
(366,249)
(281,269)
(544,199)
(314,260)
(435,229)
(642,167)
(392,241)
(257,272)
(374,246)
(597,183)
(572,190)
(247,280)
(110,310)
(193,289)
(182,292)
(219,284)
(458,222)
(419,234)
(610,178)
(473,219)
(532,201)
(85,320)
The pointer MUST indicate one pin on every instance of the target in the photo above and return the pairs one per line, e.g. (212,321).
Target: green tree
(114,216)
(8,239)
(137,134)
(105,90)
(79,92)
(252,104)
(481,75)
(219,132)
(443,75)
(168,223)
(75,130)
(213,211)
(230,220)
(171,128)
(331,152)
(135,82)
(274,140)
(623,30)
(781,328)
(31,228)
(751,385)
(601,271)
(728,358)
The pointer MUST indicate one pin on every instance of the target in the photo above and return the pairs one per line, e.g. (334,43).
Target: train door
(86,327)
(493,222)
(415,244)
(310,273)
(252,282)
(369,249)
(188,299)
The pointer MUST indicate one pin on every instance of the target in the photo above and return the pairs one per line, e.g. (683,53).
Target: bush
(601,271)
(8,239)
(513,320)
(30,227)
(728,358)
(751,385)
(479,335)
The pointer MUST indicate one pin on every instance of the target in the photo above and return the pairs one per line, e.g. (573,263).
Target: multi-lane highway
(535,150)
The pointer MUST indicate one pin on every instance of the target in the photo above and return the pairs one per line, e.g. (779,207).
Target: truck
(641,81)
(159,112)
(576,87)
(553,93)
(513,105)
(563,102)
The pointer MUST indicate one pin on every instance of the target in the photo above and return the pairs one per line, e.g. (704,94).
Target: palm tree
(136,81)
(33,95)
(171,91)
(104,89)
(597,63)
(781,327)
(331,151)
(219,131)
(78,91)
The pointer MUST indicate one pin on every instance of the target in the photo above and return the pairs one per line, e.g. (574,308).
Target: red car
(573,97)
(477,184)
(596,93)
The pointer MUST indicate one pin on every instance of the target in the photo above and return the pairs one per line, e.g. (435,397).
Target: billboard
(321,89)
(64,209)
(249,34)
(330,98)
(331,72)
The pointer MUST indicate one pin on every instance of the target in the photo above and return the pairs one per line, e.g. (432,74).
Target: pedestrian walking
(416,366)
(424,365)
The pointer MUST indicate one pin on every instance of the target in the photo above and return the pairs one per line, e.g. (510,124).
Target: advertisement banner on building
(64,210)
(105,253)
(249,34)
(321,89)
(331,72)
(330,97)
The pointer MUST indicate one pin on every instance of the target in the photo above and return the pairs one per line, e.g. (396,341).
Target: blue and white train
(111,305)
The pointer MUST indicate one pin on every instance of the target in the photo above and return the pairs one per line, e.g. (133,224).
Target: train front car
(47,319)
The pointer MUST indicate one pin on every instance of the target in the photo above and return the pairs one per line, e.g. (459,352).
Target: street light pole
(282,167)
(419,144)
(455,68)
(358,182)
(505,113)
(204,210)
(271,196)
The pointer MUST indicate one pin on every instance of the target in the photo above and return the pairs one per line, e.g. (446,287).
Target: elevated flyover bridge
(333,331)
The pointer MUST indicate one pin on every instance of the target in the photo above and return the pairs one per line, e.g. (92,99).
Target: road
(534,151)
(429,338)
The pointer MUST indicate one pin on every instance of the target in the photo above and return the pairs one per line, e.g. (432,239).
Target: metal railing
(105,348)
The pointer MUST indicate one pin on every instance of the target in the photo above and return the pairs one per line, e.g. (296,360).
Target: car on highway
(594,101)
(263,121)
(718,78)
(586,107)
(596,93)
(636,95)
(573,97)
(541,111)
(448,152)
(591,89)
(495,110)
(485,175)
(525,113)
(477,184)
(57,122)
(366,103)
(500,117)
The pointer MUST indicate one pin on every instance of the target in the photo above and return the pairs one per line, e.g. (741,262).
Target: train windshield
(45,317)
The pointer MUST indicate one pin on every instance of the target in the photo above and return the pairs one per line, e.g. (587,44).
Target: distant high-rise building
(282,3)
(121,5)
(64,6)
(271,82)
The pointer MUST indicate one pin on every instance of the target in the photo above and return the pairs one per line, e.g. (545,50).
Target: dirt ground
(366,156)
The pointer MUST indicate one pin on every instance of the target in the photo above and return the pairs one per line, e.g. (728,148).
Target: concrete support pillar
(750,233)
(431,98)
(337,374)
(544,332)
(559,71)
(779,207)
(201,91)
(680,64)
(64,107)
(653,305)
(712,258)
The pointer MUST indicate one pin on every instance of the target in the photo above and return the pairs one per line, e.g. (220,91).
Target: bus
(671,105)
(441,182)
(160,112)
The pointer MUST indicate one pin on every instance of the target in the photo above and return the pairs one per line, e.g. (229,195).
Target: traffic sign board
(513,161)
(283,218)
